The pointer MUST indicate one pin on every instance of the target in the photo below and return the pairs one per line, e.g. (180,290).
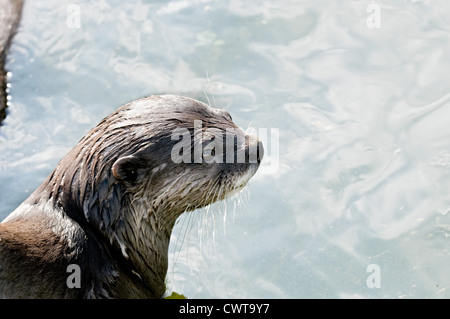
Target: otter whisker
(185,234)
(212,89)
(205,216)
(207,98)
(249,126)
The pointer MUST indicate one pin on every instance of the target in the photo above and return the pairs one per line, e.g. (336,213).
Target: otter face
(182,154)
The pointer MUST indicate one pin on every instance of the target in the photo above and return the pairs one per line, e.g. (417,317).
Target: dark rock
(10,13)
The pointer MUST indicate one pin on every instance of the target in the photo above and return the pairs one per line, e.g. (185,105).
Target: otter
(108,208)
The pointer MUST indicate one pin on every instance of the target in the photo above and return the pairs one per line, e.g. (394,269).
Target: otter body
(107,210)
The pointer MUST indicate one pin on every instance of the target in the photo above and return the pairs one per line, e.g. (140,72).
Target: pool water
(351,97)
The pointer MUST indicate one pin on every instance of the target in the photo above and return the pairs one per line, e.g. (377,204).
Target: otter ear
(126,168)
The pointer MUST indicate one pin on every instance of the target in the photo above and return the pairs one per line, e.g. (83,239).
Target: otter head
(146,164)
(181,155)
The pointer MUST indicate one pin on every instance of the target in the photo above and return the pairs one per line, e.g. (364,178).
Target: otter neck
(136,234)
(144,242)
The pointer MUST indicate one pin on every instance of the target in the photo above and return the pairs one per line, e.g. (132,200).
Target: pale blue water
(364,138)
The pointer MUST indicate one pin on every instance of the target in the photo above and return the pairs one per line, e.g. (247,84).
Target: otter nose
(260,151)
(255,151)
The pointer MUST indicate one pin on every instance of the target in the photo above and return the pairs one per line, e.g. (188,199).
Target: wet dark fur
(10,13)
(110,205)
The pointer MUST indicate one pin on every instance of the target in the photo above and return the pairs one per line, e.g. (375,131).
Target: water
(362,114)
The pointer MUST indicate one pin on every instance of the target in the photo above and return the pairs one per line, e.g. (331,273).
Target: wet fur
(111,203)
